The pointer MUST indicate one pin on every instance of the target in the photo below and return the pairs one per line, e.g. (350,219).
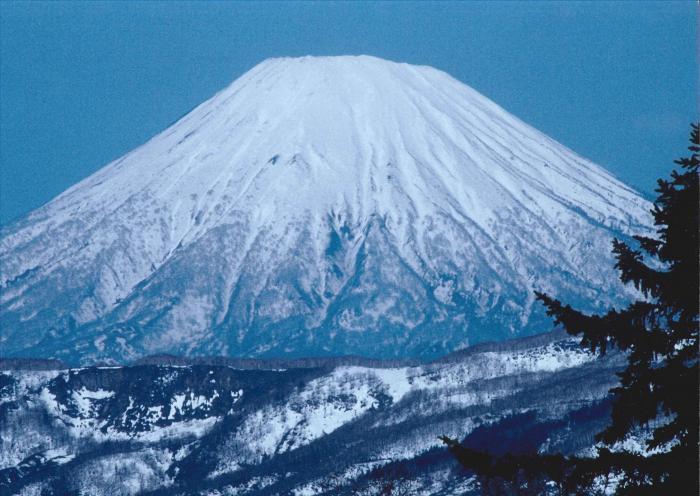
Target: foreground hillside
(318,428)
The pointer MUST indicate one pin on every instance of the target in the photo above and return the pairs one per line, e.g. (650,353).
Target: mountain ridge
(203,429)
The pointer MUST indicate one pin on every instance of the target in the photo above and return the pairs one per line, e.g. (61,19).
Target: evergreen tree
(658,391)
(659,387)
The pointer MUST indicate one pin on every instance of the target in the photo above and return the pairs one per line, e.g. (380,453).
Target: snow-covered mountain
(316,206)
(205,429)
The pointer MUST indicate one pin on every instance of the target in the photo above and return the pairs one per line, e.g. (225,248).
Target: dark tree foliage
(658,391)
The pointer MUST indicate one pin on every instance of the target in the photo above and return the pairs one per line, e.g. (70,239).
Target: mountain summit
(316,206)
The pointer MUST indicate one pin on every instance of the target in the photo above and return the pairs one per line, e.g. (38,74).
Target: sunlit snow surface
(205,429)
(316,206)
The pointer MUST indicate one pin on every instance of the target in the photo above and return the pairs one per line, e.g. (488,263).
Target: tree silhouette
(658,393)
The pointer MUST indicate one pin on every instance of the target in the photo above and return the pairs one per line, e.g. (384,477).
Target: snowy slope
(207,429)
(334,205)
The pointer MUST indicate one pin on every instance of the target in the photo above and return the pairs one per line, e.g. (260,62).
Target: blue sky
(83,83)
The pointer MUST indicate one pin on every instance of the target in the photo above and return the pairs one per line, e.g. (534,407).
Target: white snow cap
(356,134)
(353,196)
